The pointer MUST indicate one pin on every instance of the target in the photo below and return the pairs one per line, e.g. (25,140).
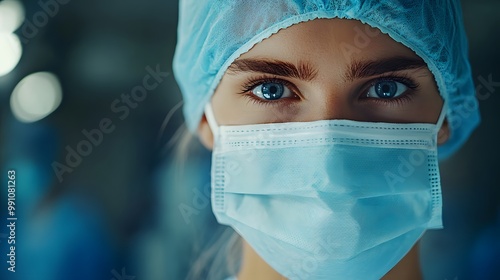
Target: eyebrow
(364,69)
(305,71)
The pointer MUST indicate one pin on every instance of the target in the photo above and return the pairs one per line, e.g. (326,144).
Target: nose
(330,105)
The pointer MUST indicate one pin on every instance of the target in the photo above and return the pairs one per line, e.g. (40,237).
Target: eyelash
(251,83)
(401,78)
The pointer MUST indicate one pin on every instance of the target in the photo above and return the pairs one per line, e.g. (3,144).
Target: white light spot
(35,97)
(11,15)
(10,52)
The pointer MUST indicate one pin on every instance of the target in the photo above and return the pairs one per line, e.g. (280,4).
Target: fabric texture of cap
(213,33)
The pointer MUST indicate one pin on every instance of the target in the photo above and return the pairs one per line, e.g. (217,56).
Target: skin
(333,48)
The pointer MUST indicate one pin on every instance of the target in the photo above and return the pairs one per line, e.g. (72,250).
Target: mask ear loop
(442,115)
(212,123)
(440,121)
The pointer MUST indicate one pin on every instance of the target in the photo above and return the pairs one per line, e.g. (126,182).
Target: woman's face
(326,69)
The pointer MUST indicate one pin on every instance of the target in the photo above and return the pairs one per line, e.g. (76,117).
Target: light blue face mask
(329,199)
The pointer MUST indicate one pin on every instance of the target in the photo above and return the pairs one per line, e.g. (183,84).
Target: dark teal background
(119,213)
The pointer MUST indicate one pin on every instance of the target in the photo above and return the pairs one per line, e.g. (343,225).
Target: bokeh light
(35,97)
(11,15)
(10,52)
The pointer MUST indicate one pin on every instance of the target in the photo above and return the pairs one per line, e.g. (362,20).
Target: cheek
(427,108)
(427,111)
(432,102)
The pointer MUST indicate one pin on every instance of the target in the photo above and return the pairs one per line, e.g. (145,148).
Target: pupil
(272,91)
(385,88)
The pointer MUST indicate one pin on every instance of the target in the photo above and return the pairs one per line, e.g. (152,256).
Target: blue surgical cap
(213,33)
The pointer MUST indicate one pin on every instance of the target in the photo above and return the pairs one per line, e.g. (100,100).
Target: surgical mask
(328,199)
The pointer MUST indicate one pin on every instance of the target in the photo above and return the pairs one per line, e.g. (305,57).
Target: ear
(444,133)
(205,133)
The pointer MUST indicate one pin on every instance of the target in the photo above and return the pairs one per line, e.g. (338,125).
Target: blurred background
(90,120)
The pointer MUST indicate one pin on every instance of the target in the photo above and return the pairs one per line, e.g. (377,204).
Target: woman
(326,119)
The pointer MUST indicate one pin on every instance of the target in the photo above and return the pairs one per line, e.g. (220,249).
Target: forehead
(333,40)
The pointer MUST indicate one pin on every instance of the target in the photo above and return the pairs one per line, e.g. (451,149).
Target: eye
(272,91)
(386,89)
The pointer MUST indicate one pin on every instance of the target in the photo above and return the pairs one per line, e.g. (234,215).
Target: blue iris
(386,89)
(272,91)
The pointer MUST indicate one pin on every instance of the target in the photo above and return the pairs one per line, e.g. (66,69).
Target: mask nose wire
(212,123)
